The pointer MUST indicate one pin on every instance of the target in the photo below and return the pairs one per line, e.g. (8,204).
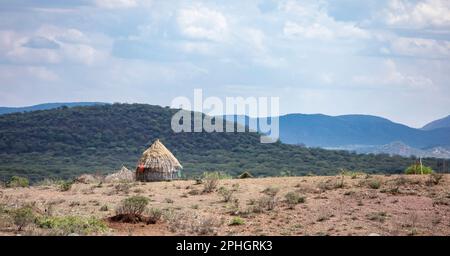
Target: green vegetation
(17,181)
(236,221)
(64,143)
(418,169)
(154,215)
(134,205)
(374,183)
(65,185)
(23,217)
(294,198)
(64,225)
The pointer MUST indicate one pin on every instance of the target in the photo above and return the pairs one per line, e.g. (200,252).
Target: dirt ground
(333,205)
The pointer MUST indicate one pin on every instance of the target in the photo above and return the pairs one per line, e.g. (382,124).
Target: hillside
(319,130)
(66,142)
(437,124)
(46,106)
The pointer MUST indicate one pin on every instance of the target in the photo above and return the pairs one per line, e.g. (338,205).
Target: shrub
(134,205)
(168,200)
(418,169)
(122,188)
(377,216)
(65,185)
(236,221)
(194,192)
(271,191)
(374,184)
(294,198)
(154,215)
(339,182)
(266,202)
(211,180)
(226,194)
(434,179)
(23,216)
(17,181)
(72,224)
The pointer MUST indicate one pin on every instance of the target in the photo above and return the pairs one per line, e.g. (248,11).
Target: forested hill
(66,142)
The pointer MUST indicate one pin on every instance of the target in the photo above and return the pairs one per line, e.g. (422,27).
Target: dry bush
(434,179)
(154,215)
(194,192)
(293,198)
(226,194)
(211,180)
(192,223)
(121,188)
(377,216)
(271,191)
(266,203)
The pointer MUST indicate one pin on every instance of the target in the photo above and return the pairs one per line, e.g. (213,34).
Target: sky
(385,58)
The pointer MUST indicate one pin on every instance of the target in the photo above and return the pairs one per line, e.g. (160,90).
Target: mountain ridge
(66,142)
(46,106)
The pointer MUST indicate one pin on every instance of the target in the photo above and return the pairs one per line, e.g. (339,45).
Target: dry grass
(335,205)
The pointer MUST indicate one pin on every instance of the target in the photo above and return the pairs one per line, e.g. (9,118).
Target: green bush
(293,198)
(72,224)
(374,184)
(134,205)
(417,169)
(236,221)
(23,216)
(17,181)
(154,215)
(65,185)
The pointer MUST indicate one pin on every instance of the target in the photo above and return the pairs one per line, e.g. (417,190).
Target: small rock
(374,234)
(73,234)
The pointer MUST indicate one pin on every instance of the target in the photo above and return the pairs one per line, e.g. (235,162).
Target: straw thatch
(157,163)
(123,175)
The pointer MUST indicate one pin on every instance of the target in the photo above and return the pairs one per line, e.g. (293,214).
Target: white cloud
(43,73)
(391,76)
(420,14)
(419,47)
(202,23)
(118,4)
(312,21)
(73,47)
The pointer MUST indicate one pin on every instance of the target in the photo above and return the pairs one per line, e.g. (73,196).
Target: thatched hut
(157,163)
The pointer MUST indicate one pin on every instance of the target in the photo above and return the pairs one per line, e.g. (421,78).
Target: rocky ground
(353,204)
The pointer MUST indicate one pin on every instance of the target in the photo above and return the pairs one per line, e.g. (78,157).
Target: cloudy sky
(387,58)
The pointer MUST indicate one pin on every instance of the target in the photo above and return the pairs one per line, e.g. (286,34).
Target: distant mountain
(66,142)
(317,130)
(398,148)
(45,106)
(440,123)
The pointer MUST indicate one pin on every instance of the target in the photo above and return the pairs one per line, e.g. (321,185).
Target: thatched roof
(159,159)
(122,175)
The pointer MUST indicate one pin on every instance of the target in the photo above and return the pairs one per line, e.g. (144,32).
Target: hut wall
(149,175)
